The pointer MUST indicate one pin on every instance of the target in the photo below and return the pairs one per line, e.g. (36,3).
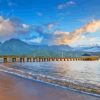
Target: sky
(51,22)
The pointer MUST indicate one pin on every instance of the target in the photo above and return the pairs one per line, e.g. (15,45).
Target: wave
(74,85)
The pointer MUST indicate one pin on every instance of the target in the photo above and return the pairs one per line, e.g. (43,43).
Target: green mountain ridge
(18,47)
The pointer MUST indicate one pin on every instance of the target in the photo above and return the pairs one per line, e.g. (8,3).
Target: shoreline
(60,86)
(49,87)
(67,85)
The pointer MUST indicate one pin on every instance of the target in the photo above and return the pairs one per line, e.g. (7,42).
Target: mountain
(14,46)
(18,47)
(89,48)
(61,47)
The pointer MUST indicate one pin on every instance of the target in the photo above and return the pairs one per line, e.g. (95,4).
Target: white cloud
(66,4)
(39,14)
(6,27)
(58,32)
(35,40)
(25,26)
(12,28)
(87,19)
(10,3)
(83,41)
(70,38)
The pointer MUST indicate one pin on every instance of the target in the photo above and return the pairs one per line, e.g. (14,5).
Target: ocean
(73,74)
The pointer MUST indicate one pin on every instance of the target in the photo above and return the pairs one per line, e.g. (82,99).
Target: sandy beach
(16,88)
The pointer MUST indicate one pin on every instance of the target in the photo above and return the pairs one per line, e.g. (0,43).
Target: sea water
(78,72)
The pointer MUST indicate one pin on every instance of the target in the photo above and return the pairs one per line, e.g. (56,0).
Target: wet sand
(16,88)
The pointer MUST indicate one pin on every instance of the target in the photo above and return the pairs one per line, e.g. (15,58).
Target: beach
(13,87)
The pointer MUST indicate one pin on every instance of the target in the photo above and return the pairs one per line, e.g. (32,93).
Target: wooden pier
(7,59)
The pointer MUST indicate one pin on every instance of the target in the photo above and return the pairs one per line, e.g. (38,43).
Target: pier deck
(13,58)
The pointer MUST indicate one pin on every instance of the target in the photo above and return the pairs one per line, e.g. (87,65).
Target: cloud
(38,29)
(10,3)
(25,26)
(39,14)
(23,29)
(50,26)
(35,40)
(89,41)
(6,27)
(10,28)
(15,28)
(66,4)
(71,37)
(87,19)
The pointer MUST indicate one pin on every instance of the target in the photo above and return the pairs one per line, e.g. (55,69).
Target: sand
(16,88)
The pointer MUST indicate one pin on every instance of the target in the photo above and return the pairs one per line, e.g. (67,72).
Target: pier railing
(6,59)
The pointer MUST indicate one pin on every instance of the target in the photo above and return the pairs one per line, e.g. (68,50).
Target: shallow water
(67,71)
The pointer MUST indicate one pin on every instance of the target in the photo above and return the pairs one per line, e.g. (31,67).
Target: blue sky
(50,21)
